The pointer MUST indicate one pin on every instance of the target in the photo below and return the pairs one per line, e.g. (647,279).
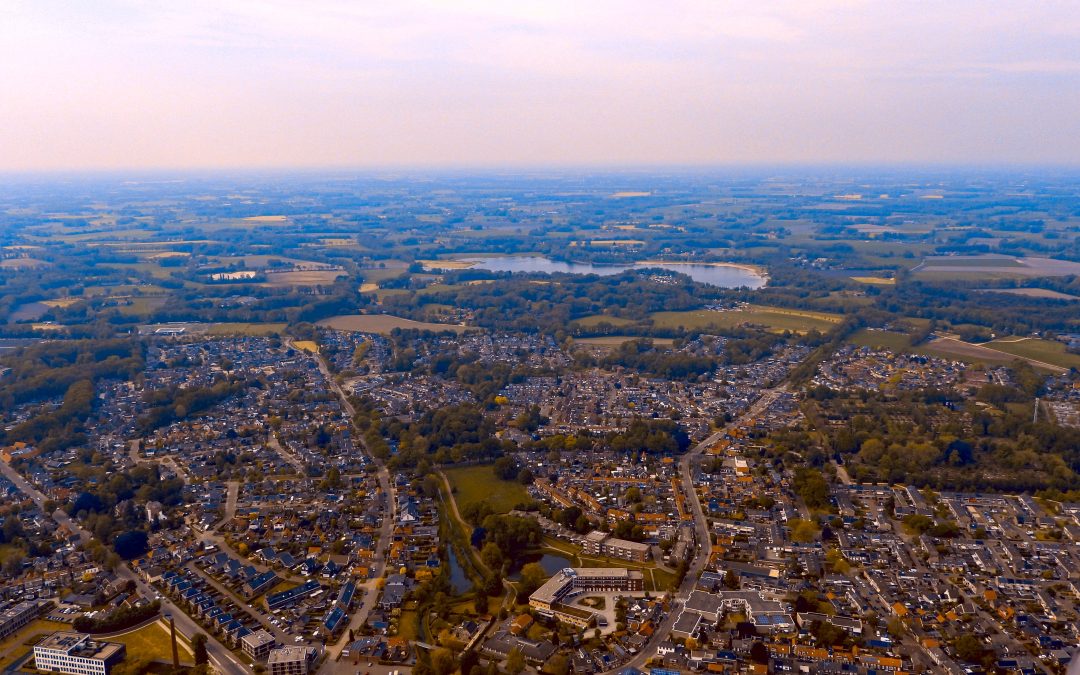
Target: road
(386,529)
(220,655)
(287,455)
(231,497)
(701,530)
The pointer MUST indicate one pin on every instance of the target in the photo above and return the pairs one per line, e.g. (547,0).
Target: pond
(459,581)
(550,562)
(720,275)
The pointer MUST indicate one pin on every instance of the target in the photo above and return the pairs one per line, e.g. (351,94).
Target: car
(299,639)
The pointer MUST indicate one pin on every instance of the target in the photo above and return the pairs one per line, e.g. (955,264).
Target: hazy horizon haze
(326,85)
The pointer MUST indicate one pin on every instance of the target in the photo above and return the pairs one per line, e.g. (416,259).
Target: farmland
(773,319)
(1047,351)
(951,348)
(616,340)
(881,339)
(1032,293)
(384,323)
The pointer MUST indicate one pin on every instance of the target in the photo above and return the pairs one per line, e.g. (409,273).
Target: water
(551,564)
(459,581)
(714,275)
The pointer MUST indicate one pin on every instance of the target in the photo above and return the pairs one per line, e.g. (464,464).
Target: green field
(772,318)
(151,642)
(880,339)
(597,319)
(479,484)
(253,329)
(616,340)
(384,323)
(1047,351)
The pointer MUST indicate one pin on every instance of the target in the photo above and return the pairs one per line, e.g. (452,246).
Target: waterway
(722,276)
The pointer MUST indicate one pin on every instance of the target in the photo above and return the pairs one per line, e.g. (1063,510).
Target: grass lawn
(656,578)
(29,632)
(1048,351)
(384,323)
(479,484)
(8,550)
(408,625)
(773,318)
(152,642)
(897,342)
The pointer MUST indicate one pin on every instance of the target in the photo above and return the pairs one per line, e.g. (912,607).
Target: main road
(701,530)
(386,530)
(219,654)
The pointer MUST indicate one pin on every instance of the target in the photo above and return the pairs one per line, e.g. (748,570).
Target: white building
(76,654)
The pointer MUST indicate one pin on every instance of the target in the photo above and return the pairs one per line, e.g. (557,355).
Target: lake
(722,276)
(550,562)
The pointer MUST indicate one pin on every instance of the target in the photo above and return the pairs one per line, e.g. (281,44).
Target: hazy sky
(224,83)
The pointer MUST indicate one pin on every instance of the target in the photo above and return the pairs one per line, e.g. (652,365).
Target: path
(511,592)
(287,455)
(231,497)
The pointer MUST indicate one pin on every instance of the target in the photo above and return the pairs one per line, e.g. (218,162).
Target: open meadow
(477,483)
(384,323)
(772,318)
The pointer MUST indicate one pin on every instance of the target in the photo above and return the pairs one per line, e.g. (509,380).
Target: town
(611,522)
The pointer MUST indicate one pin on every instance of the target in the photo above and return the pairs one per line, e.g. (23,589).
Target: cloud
(242,82)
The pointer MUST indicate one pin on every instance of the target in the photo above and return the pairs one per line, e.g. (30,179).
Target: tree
(442,661)
(505,468)
(969,648)
(515,662)
(131,544)
(731,580)
(803,531)
(198,645)
(558,664)
(532,577)
(492,555)
(759,653)
(811,486)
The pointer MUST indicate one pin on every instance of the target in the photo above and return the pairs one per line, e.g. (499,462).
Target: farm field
(949,348)
(254,329)
(973,267)
(774,319)
(616,340)
(384,323)
(307,346)
(597,319)
(1032,293)
(302,278)
(887,339)
(1047,351)
(478,484)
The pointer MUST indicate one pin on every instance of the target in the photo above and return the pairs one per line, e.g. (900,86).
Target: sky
(125,84)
